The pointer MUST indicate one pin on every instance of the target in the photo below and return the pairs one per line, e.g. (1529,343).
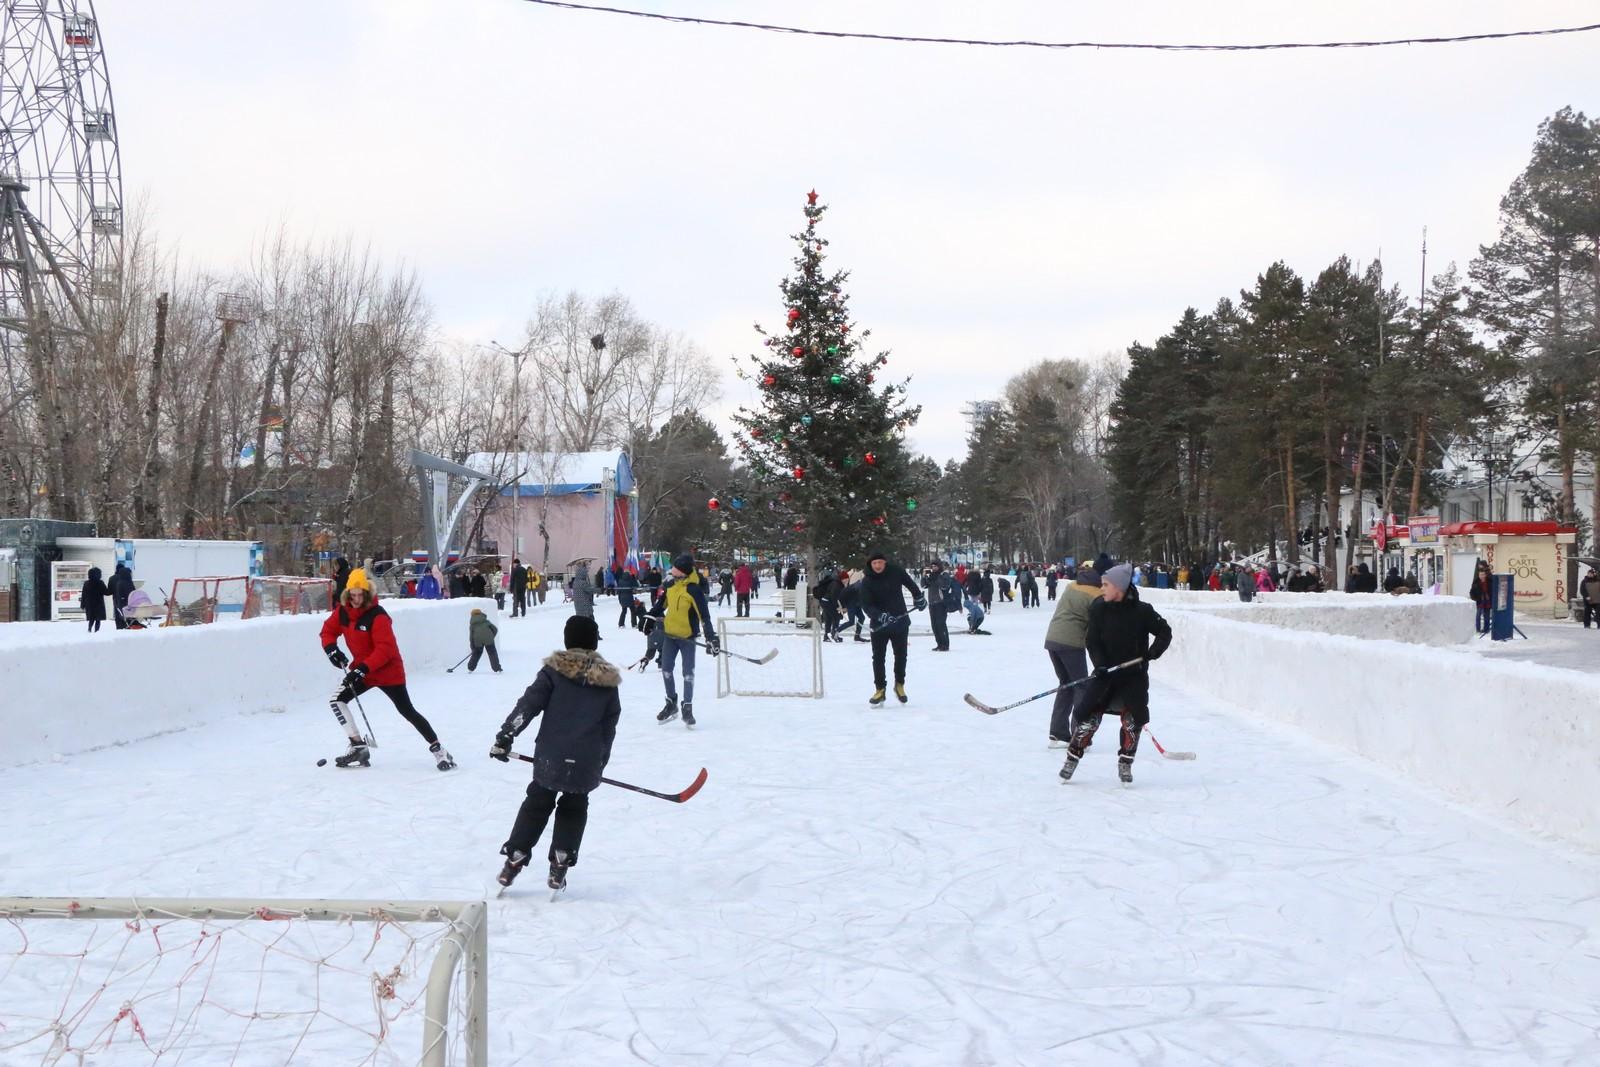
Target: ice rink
(904,885)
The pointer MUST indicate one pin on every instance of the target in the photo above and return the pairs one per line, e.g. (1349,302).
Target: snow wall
(1414,620)
(1511,739)
(127,685)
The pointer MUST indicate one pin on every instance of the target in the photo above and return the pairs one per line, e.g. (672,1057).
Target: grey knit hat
(1120,576)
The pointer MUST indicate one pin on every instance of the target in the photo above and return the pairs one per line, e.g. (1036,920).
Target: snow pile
(1509,738)
(71,697)
(1414,620)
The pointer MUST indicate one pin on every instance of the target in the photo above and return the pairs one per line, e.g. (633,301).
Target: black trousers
(828,610)
(1134,720)
(881,640)
(1071,665)
(519,602)
(941,633)
(477,654)
(572,815)
(741,606)
(397,696)
(630,611)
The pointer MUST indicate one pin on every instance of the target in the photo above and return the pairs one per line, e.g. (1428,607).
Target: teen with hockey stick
(1064,641)
(886,612)
(683,615)
(1121,627)
(374,663)
(576,690)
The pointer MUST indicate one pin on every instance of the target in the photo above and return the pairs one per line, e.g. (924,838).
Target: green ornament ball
(835,379)
(805,420)
(911,503)
(833,350)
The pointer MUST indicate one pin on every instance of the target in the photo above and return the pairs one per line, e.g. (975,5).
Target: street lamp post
(516,440)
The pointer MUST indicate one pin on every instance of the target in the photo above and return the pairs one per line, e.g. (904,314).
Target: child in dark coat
(577,692)
(481,634)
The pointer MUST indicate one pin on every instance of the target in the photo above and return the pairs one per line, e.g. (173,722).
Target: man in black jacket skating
(1120,629)
(886,614)
(577,692)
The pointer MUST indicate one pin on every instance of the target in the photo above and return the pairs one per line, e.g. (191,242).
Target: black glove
(921,604)
(713,645)
(1099,672)
(502,747)
(355,676)
(336,657)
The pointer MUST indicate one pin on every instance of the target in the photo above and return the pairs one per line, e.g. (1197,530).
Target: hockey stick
(372,738)
(676,798)
(720,651)
(988,710)
(1164,752)
(459,662)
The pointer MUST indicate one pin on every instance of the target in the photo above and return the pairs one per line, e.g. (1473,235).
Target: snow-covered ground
(905,885)
(1551,643)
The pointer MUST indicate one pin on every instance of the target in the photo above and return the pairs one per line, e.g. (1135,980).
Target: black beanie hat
(877,555)
(581,632)
(684,563)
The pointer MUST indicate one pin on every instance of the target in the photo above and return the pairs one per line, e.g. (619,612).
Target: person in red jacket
(743,582)
(374,663)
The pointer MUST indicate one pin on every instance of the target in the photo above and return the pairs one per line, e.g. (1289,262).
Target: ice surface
(906,885)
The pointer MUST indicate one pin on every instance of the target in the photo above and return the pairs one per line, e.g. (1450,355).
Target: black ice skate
(514,864)
(900,692)
(878,698)
(1125,770)
(358,756)
(669,712)
(688,714)
(1068,767)
(557,881)
(442,757)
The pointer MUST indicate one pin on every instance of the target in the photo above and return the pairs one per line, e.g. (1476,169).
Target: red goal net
(197,601)
(277,594)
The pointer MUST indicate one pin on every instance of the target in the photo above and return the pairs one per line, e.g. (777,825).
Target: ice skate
(1068,767)
(513,867)
(1125,770)
(668,712)
(688,714)
(900,692)
(878,697)
(557,881)
(358,756)
(442,757)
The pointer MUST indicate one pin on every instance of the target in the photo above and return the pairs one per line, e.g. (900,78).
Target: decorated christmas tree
(824,465)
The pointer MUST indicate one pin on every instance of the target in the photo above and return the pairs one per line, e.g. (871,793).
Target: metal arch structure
(60,154)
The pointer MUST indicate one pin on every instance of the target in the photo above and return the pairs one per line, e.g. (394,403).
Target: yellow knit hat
(358,580)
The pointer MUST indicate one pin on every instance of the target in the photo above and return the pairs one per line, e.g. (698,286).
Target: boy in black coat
(890,622)
(577,691)
(1120,629)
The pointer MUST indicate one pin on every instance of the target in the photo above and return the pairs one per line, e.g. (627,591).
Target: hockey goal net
(242,982)
(796,670)
(196,601)
(277,594)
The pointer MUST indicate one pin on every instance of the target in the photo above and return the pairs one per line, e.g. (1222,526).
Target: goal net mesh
(268,985)
(196,601)
(279,595)
(796,670)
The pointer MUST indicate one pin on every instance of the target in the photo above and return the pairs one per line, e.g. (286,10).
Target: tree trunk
(201,430)
(1291,516)
(147,490)
(1416,466)
(1353,534)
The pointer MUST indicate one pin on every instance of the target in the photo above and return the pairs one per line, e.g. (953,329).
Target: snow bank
(72,696)
(1414,620)
(1508,738)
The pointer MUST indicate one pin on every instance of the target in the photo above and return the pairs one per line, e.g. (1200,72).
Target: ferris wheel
(60,168)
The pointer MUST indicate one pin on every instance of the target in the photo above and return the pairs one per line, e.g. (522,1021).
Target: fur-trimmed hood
(582,665)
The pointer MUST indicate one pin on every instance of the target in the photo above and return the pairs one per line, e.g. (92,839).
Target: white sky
(995,206)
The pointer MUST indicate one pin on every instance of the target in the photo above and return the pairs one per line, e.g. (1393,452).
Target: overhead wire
(1139,46)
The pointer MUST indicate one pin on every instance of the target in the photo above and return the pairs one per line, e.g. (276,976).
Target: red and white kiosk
(1535,553)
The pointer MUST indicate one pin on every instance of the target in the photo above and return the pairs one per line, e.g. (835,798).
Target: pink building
(587,502)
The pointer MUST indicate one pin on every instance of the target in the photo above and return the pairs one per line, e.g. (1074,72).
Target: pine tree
(823,450)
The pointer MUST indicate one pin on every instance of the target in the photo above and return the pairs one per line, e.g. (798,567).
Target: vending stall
(1534,553)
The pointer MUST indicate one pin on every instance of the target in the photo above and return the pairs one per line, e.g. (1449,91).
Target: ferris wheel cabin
(80,31)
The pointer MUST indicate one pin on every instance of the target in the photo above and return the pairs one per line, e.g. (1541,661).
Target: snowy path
(899,886)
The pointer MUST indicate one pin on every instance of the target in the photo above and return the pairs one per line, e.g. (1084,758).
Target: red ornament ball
(755,431)
(713,503)
(769,381)
(799,527)
(794,314)
(877,520)
(871,457)
(799,472)
(798,351)
(786,496)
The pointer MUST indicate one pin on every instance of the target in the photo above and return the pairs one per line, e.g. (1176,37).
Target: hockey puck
(322,763)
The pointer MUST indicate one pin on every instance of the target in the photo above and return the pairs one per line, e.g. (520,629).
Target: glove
(336,657)
(356,675)
(713,645)
(921,604)
(502,747)
(1098,672)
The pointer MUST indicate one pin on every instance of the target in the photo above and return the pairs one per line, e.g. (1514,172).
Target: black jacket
(880,593)
(577,692)
(791,578)
(974,584)
(519,579)
(828,589)
(944,595)
(477,585)
(121,586)
(93,597)
(1117,633)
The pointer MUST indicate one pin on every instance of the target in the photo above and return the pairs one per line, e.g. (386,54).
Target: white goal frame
(747,627)
(468,938)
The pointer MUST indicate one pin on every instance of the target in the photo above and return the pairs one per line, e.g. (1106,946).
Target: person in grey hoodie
(1065,641)
(582,593)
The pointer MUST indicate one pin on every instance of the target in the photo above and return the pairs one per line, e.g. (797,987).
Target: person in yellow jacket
(685,614)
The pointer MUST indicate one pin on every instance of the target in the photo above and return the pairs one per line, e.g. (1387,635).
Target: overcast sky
(994,206)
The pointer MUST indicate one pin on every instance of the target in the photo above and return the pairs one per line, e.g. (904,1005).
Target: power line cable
(1133,46)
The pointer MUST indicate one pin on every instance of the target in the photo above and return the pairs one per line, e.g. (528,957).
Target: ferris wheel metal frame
(60,168)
